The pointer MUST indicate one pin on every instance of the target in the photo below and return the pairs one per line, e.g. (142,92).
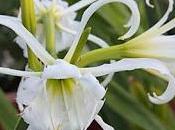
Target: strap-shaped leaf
(21,125)
(128,107)
(8,114)
(81,43)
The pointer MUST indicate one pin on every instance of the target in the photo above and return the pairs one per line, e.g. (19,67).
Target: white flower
(63,39)
(65,23)
(155,44)
(72,103)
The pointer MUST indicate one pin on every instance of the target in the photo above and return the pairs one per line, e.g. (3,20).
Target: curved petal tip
(149,4)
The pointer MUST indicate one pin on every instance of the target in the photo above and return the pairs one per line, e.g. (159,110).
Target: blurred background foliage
(127,106)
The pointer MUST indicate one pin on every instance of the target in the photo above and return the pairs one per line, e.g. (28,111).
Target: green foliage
(79,48)
(136,113)
(8,114)
(21,125)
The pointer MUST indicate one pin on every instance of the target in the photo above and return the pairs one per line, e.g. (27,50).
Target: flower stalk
(102,54)
(49,28)
(29,21)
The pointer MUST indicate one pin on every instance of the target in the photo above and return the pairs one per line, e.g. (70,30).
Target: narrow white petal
(77,6)
(100,121)
(15,25)
(165,28)
(22,45)
(130,22)
(139,63)
(126,64)
(19,73)
(91,37)
(94,7)
(167,96)
(165,17)
(107,80)
(97,41)
(61,70)
(159,28)
(68,30)
(149,4)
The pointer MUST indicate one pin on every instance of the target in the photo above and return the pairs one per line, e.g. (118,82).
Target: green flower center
(60,87)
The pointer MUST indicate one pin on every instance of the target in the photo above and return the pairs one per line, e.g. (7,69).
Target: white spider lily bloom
(153,43)
(63,39)
(65,23)
(72,102)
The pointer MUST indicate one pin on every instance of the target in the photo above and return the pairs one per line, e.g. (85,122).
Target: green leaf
(21,125)
(8,116)
(116,15)
(81,43)
(128,107)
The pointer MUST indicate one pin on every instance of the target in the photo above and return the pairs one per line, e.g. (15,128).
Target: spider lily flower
(155,44)
(71,103)
(64,20)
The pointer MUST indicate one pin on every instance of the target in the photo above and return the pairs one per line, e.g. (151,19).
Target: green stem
(49,28)
(82,42)
(29,21)
(103,54)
